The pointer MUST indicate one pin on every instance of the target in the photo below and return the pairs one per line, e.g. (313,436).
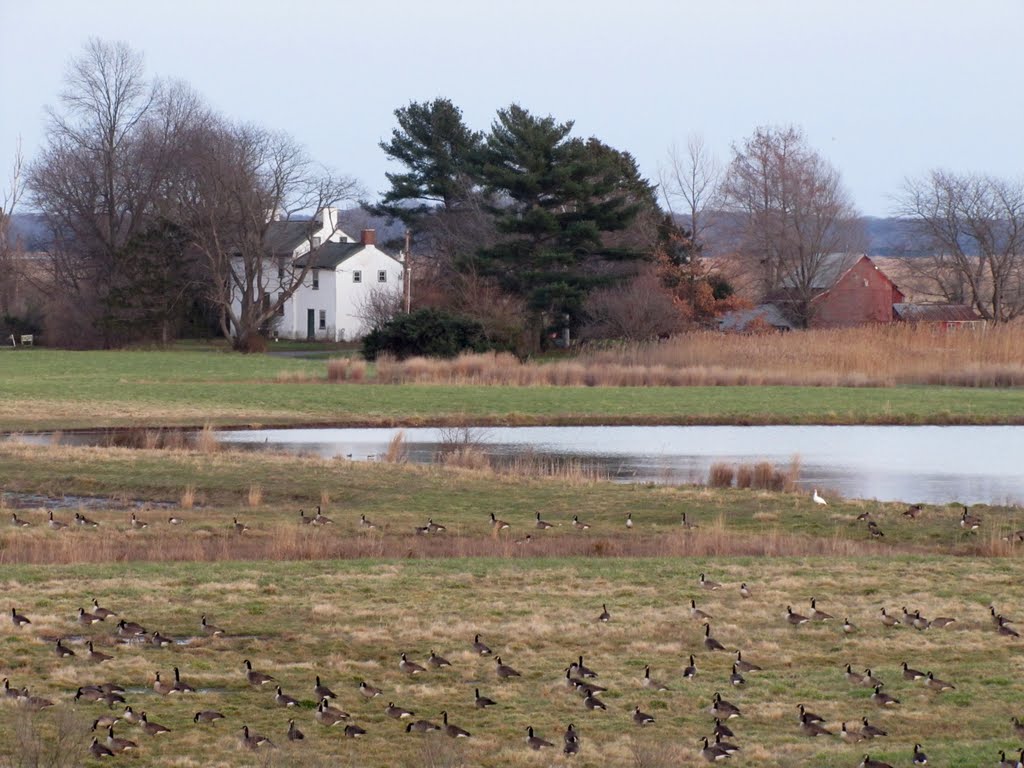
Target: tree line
(161,214)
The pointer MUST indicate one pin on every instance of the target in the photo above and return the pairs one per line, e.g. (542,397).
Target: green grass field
(49,389)
(350,621)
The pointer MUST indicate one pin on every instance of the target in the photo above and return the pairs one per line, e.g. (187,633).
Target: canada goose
(1004,763)
(605,616)
(864,516)
(18,522)
(869,680)
(649,682)
(536,743)
(130,629)
(433,527)
(641,718)
(322,691)
(875,531)
(913,511)
(744,590)
(238,527)
(578,525)
(118,745)
(62,651)
(397,712)
(421,726)
(328,715)
(254,740)
(482,702)
(697,613)
(1005,629)
(152,729)
(479,647)
(56,524)
(160,640)
(353,731)
(920,622)
(161,687)
(883,699)
(207,716)
(98,610)
(88,618)
(571,740)
(85,522)
(910,673)
(889,621)
(818,499)
(421,530)
(34,703)
(542,524)
(210,629)
(88,693)
(745,666)
(284,700)
(175,520)
(409,667)
(851,737)
(723,709)
(813,728)
(970,522)
(808,717)
(368,690)
(691,671)
(10,693)
(867,762)
(18,619)
(320,518)
(736,678)
(938,685)
(817,615)
(629,520)
(943,621)
(849,627)
(723,730)
(303,519)
(871,731)
(712,753)
(581,669)
(129,716)
(504,671)
(853,677)
(687,525)
(710,643)
(98,750)
(498,525)
(294,734)
(725,746)
(453,730)
(593,703)
(707,583)
(105,721)
(438,662)
(365,523)
(138,524)
(795,618)
(920,758)
(588,689)
(525,540)
(256,678)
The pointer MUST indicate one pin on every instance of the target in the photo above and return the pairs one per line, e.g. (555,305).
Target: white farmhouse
(342,276)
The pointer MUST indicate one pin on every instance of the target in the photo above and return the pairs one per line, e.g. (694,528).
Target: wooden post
(407,267)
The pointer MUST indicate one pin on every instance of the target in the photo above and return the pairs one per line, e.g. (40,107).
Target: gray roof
(739,320)
(283,237)
(830,269)
(330,255)
(936,313)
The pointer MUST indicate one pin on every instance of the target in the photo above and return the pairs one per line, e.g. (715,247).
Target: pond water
(933,465)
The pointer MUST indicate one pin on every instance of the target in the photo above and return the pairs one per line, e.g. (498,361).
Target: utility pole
(407,276)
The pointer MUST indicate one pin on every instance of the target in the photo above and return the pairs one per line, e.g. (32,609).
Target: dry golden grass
(857,357)
(346,369)
(397,451)
(188,497)
(254,497)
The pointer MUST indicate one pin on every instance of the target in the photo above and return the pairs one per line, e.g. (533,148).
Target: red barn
(851,290)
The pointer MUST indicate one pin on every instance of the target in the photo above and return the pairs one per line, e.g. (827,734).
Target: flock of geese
(720,743)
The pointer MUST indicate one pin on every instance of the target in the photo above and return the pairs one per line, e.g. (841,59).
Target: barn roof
(936,313)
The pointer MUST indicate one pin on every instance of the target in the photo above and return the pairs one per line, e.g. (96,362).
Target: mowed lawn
(350,621)
(51,389)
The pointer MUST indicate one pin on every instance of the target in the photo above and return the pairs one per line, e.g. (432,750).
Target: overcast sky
(884,88)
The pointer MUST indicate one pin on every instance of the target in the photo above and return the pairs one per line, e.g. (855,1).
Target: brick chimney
(369,237)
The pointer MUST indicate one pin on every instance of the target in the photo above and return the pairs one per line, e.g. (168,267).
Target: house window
(280,270)
(357,276)
(323,319)
(382,276)
(316,279)
(280,306)
(316,242)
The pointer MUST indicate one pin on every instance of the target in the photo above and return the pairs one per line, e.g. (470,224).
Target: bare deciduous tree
(244,185)
(9,200)
(638,311)
(378,306)
(795,213)
(690,186)
(974,227)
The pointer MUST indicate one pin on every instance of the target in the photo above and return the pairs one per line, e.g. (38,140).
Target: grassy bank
(349,621)
(46,389)
(265,491)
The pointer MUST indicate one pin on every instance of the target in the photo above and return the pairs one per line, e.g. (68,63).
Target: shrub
(427,333)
